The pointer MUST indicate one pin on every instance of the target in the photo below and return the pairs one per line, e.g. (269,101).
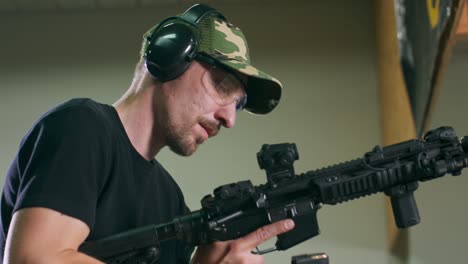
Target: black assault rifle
(239,208)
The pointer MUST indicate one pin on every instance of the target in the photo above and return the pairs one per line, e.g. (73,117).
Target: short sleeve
(62,163)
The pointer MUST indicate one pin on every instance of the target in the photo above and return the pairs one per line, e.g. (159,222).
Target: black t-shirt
(78,160)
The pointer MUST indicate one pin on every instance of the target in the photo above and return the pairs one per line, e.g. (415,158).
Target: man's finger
(252,240)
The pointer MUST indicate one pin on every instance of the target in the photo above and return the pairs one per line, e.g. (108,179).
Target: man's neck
(138,118)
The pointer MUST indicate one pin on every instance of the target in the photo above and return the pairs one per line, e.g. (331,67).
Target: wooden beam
(396,117)
(462,29)
(397,123)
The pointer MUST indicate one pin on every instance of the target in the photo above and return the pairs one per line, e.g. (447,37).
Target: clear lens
(224,88)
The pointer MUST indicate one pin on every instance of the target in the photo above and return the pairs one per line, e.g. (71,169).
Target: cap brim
(263,90)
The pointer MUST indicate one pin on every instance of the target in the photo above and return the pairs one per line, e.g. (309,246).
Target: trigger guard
(262,252)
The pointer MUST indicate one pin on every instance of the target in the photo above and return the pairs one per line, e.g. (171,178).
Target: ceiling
(20,6)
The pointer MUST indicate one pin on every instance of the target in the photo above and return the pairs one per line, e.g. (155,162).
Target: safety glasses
(225,88)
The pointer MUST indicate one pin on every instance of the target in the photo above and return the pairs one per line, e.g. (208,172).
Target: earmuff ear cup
(171,49)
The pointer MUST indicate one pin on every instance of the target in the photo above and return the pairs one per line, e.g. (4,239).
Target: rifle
(237,209)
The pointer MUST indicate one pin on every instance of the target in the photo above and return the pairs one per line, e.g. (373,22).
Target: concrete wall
(441,235)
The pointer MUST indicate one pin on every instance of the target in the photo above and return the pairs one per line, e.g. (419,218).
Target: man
(86,170)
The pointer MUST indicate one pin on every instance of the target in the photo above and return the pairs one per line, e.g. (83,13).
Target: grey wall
(323,52)
(441,236)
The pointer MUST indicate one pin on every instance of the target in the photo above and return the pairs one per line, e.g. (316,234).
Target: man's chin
(184,150)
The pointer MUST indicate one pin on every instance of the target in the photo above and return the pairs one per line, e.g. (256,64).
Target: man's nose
(227,115)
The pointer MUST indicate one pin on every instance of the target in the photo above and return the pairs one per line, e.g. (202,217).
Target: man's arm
(239,250)
(42,235)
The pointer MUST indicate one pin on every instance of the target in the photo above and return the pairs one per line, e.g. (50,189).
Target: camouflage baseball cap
(227,45)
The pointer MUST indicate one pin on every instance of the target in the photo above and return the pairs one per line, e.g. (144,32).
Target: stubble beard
(181,142)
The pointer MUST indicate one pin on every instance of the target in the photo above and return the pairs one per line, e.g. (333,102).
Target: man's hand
(239,250)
